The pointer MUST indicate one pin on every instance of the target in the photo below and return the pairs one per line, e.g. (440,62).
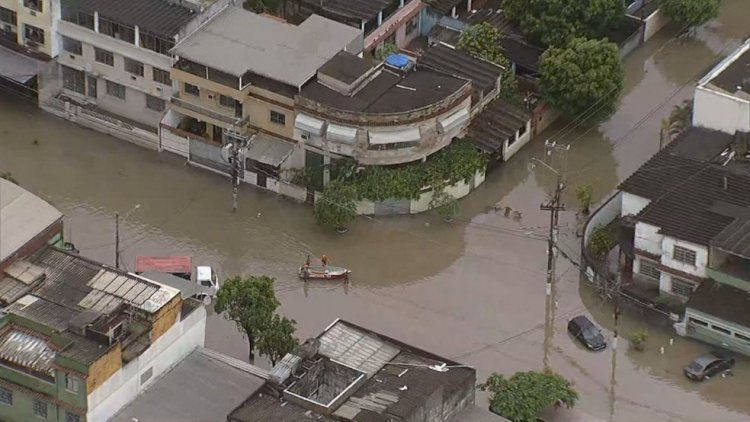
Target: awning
(454,120)
(395,136)
(309,124)
(344,134)
(268,150)
(17,67)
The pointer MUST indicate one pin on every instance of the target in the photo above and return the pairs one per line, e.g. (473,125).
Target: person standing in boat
(306,268)
(324,260)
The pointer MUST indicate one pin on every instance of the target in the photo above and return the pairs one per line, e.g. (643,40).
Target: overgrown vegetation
(445,205)
(385,50)
(585,196)
(601,241)
(690,13)
(483,40)
(336,207)
(525,394)
(638,339)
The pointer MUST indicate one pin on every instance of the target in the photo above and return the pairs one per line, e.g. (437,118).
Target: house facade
(115,56)
(30,26)
(394,22)
(82,339)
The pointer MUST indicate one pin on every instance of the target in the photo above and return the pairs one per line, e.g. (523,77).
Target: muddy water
(473,291)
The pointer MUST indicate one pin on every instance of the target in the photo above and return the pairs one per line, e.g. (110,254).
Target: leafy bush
(525,394)
(690,13)
(336,207)
(638,339)
(386,50)
(601,241)
(445,205)
(585,196)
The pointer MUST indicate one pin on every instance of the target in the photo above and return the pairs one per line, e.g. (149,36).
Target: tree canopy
(483,41)
(525,394)
(336,207)
(690,13)
(556,22)
(585,78)
(251,304)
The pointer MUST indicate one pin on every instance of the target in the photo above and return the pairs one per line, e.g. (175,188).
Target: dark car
(708,365)
(586,332)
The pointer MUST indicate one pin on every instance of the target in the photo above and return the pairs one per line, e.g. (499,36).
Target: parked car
(708,365)
(587,333)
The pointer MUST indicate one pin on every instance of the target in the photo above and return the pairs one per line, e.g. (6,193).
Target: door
(91,86)
(218,134)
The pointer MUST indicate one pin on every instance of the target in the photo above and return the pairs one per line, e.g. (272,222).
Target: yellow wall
(165,318)
(103,368)
(257,103)
(42,20)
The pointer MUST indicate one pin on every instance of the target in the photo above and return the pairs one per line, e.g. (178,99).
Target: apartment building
(80,340)
(114,55)
(30,26)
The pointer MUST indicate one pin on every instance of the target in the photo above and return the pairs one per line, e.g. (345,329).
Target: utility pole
(117,240)
(554,206)
(235,143)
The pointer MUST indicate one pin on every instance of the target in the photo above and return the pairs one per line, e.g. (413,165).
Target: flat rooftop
(388,92)
(156,16)
(237,41)
(359,9)
(205,386)
(733,73)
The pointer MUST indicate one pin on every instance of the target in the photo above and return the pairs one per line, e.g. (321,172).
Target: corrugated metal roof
(269,150)
(23,216)
(357,349)
(157,16)
(43,312)
(27,351)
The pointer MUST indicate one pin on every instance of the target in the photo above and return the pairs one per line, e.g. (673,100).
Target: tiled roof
(497,122)
(722,301)
(735,238)
(157,16)
(483,74)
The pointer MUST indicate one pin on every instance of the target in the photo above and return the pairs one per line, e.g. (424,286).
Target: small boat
(318,272)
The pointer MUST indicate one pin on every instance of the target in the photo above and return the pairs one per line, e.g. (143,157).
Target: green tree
(336,207)
(525,394)
(585,196)
(601,241)
(250,303)
(385,50)
(263,6)
(681,118)
(556,22)
(277,339)
(483,40)
(690,13)
(584,77)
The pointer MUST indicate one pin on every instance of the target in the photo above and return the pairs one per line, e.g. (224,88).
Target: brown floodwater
(472,291)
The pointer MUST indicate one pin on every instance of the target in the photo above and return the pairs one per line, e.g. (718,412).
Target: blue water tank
(397,60)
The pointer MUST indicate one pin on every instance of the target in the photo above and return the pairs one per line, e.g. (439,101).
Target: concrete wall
(648,239)
(511,150)
(701,257)
(603,215)
(654,23)
(634,41)
(720,111)
(632,204)
(709,335)
(124,386)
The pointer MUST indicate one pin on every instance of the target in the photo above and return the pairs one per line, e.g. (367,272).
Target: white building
(722,97)
(115,55)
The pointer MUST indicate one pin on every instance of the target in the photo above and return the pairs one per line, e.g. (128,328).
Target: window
(116,30)
(72,383)
(72,46)
(134,67)
(40,408)
(33,35)
(721,330)
(72,417)
(698,321)
(162,76)
(682,287)
(278,118)
(192,89)
(522,130)
(511,140)
(649,269)
(683,255)
(226,101)
(8,16)
(104,56)
(742,337)
(155,103)
(79,18)
(33,4)
(73,80)
(412,25)
(116,90)
(6,396)
(155,43)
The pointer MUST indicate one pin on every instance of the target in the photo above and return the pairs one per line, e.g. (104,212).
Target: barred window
(684,255)
(192,89)
(226,101)
(649,269)
(72,46)
(155,103)
(278,118)
(73,79)
(104,56)
(162,76)
(682,287)
(6,396)
(116,90)
(134,67)
(40,408)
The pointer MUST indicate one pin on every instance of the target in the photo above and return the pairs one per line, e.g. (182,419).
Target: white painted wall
(701,257)
(632,204)
(124,386)
(647,238)
(511,150)
(720,111)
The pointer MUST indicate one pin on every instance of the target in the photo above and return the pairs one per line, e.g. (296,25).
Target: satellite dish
(225,152)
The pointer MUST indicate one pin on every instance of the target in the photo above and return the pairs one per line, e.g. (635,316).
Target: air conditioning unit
(33,13)
(158,89)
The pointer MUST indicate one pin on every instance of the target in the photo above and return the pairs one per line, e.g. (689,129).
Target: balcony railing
(224,118)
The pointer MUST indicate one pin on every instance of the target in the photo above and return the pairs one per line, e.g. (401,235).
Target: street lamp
(117,232)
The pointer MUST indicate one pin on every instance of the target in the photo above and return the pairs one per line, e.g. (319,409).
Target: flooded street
(473,291)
